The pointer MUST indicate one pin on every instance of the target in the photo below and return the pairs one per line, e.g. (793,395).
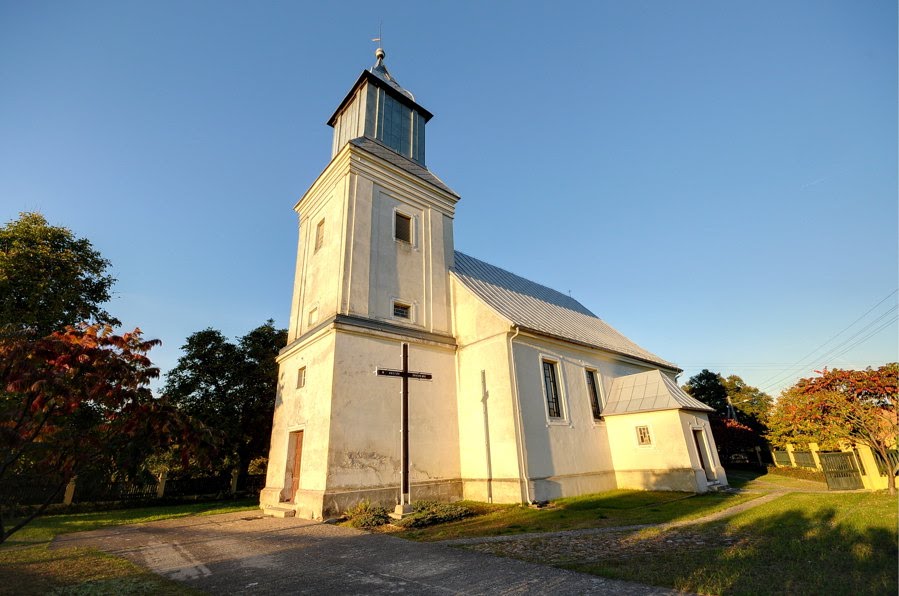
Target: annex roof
(545,311)
(647,392)
(404,163)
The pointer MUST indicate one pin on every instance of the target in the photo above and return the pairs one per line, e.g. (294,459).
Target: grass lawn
(613,508)
(27,566)
(800,543)
(753,480)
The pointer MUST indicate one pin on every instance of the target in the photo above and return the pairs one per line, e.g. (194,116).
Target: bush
(429,513)
(366,515)
(801,473)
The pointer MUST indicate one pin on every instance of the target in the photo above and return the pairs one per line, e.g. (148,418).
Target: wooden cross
(405,374)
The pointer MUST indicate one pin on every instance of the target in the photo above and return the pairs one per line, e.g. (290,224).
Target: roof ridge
(543,310)
(566,298)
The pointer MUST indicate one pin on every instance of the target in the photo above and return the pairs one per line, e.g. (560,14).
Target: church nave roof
(537,308)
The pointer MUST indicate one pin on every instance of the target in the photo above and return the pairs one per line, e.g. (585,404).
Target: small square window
(319,235)
(643,437)
(301,377)
(404,311)
(402,227)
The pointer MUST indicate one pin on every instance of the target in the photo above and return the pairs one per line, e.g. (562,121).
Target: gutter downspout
(522,452)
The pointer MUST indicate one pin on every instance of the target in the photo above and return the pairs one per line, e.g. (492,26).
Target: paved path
(246,553)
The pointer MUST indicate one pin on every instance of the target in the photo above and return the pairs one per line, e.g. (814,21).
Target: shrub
(429,513)
(366,515)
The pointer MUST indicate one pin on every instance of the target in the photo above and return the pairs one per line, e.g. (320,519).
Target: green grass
(613,508)
(797,544)
(27,566)
(768,481)
(44,528)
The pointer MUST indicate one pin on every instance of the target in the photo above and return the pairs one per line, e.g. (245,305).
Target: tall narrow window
(403,228)
(593,392)
(551,385)
(319,235)
(301,377)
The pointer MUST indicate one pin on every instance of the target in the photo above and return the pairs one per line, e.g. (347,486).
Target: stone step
(276,511)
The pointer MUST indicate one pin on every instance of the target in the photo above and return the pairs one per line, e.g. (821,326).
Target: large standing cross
(405,374)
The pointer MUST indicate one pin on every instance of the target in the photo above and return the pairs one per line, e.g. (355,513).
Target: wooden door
(297,460)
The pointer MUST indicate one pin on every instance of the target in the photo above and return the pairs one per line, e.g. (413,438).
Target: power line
(778,377)
(832,352)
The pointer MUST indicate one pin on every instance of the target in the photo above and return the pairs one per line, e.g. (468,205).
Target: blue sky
(718,181)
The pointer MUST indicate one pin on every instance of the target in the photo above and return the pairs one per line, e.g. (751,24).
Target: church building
(414,371)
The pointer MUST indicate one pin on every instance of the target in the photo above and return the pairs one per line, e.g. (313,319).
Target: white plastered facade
(481,428)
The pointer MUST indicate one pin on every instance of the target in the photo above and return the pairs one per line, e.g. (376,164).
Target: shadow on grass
(36,570)
(797,551)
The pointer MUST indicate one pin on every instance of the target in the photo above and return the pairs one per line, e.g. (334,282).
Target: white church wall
(663,464)
(322,233)
(379,269)
(568,455)
(356,285)
(413,273)
(364,455)
(307,409)
(488,439)
(699,421)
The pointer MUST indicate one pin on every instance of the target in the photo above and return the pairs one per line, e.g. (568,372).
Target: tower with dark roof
(532,396)
(374,254)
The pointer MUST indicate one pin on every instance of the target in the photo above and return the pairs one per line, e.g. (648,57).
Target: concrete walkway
(246,553)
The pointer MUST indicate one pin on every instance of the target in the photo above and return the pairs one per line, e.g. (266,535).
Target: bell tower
(378,108)
(372,273)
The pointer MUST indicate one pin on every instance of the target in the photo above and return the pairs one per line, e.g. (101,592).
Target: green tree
(77,400)
(750,403)
(49,278)
(709,388)
(230,388)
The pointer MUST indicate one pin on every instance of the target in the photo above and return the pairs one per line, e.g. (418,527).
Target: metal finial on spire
(380,54)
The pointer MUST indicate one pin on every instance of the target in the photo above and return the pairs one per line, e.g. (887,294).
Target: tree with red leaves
(76,397)
(857,406)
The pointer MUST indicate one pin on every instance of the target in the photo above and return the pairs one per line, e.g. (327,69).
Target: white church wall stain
(366,414)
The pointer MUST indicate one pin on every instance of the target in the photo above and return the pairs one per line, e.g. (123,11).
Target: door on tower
(296,447)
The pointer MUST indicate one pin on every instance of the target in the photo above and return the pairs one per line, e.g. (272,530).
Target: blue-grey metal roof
(543,310)
(648,392)
(378,75)
(402,162)
(380,71)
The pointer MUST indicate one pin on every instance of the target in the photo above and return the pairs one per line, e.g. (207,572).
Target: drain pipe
(522,453)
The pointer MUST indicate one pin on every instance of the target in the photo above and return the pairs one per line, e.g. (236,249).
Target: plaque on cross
(405,374)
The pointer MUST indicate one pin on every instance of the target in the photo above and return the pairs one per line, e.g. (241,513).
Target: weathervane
(379,53)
